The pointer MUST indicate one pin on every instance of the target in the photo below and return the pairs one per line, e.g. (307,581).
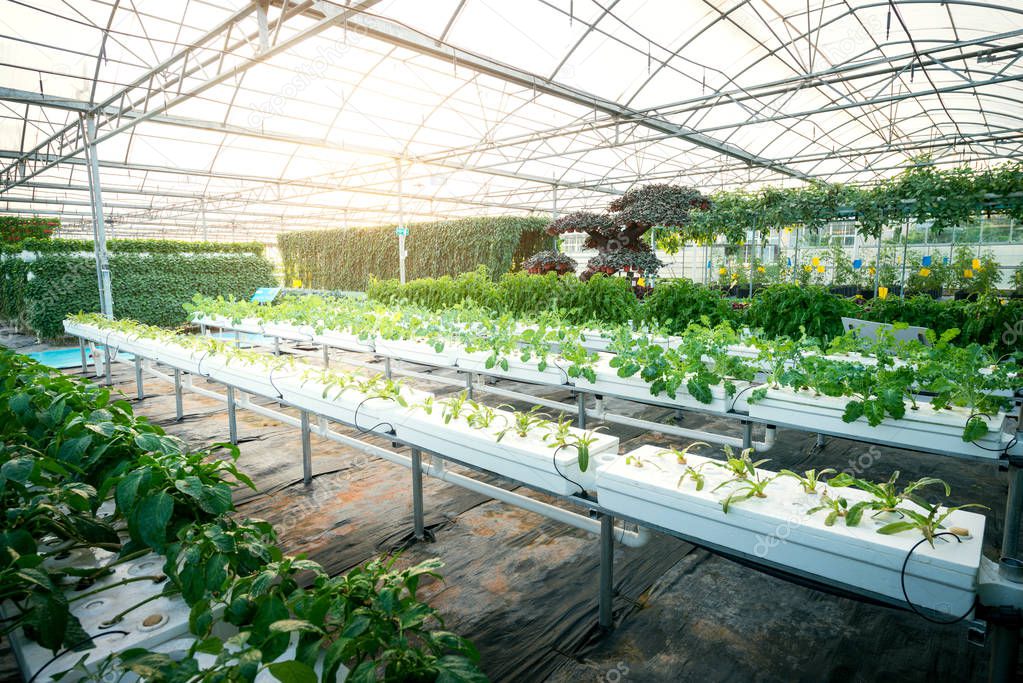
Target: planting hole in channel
(94,604)
(146,567)
(153,621)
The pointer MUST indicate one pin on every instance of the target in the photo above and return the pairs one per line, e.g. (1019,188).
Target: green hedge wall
(131,246)
(347,259)
(150,289)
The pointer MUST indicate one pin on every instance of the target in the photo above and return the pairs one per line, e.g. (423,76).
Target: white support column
(401,225)
(106,301)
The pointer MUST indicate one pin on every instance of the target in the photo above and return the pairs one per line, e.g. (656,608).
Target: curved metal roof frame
(292,114)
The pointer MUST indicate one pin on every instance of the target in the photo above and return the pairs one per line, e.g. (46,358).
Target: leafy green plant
(682,453)
(887,497)
(929,524)
(810,479)
(524,422)
(746,480)
(837,508)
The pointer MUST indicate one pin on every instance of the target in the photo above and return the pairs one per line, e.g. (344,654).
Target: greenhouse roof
(230,119)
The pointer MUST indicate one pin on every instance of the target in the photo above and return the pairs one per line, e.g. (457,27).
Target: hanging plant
(549,262)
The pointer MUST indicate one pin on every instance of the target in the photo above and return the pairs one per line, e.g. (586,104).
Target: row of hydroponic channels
(731,506)
(121,554)
(861,388)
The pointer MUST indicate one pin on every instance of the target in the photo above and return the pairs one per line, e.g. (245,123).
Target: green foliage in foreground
(66,447)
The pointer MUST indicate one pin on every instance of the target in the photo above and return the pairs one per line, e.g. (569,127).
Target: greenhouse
(555,340)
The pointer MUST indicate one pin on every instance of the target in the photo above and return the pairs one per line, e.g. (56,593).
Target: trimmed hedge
(779,310)
(604,299)
(133,246)
(342,259)
(150,289)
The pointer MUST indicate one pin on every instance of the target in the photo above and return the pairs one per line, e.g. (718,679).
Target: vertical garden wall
(347,259)
(42,281)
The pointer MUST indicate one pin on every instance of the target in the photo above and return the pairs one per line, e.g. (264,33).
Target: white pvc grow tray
(86,332)
(176,356)
(252,378)
(933,429)
(529,460)
(635,387)
(528,371)
(289,331)
(150,624)
(776,529)
(343,340)
(247,325)
(418,351)
(373,414)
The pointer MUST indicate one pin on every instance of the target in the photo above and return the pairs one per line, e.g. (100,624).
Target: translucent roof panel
(222,118)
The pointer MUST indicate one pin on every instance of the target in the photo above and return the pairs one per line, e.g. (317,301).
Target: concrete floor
(523,588)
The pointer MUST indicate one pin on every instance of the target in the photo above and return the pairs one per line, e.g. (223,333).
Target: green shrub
(348,259)
(136,246)
(149,289)
(674,304)
(786,310)
(14,229)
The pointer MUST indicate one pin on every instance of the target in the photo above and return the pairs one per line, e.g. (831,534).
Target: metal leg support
(417,495)
(139,392)
(747,434)
(178,407)
(605,615)
(277,346)
(85,361)
(106,366)
(468,385)
(326,356)
(387,367)
(580,400)
(1013,506)
(232,416)
(307,451)
(820,441)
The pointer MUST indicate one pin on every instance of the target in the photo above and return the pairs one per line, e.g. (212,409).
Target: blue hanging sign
(945,260)
(789,262)
(401,231)
(265,295)
(709,265)
(926,261)
(857,264)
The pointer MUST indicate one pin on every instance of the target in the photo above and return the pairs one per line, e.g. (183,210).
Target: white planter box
(344,340)
(247,325)
(476,361)
(636,388)
(418,351)
(168,617)
(86,332)
(288,331)
(252,378)
(178,357)
(530,460)
(925,427)
(374,414)
(776,529)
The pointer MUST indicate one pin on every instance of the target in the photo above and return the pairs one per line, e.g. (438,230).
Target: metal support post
(580,399)
(232,416)
(106,365)
(820,441)
(326,356)
(605,614)
(401,226)
(1013,505)
(747,434)
(139,392)
(307,451)
(468,385)
(387,367)
(178,407)
(106,301)
(1003,632)
(237,338)
(85,360)
(277,346)
(417,495)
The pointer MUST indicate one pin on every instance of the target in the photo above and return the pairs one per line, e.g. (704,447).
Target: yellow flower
(976,264)
(641,282)
(882,292)
(815,260)
(807,268)
(722,270)
(968,274)
(925,272)
(873,271)
(296,283)
(761,269)
(820,269)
